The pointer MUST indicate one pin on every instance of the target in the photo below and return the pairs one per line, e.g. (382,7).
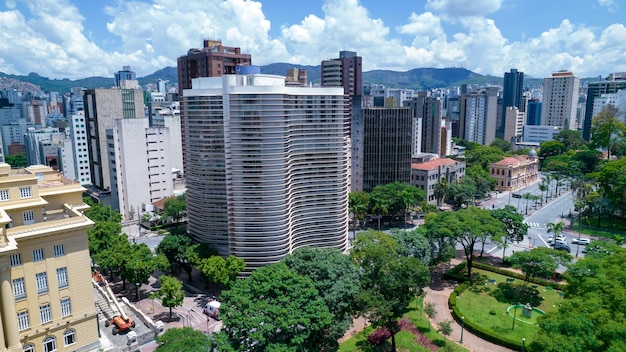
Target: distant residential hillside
(418,79)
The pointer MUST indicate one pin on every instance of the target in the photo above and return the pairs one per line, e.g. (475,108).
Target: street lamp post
(523,344)
(515,315)
(462,328)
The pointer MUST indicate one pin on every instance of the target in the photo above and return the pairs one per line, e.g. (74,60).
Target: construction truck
(122,322)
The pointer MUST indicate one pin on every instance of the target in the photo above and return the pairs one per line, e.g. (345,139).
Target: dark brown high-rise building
(346,72)
(213,60)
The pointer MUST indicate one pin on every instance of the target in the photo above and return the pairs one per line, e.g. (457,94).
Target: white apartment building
(140,167)
(560,98)
(478,116)
(75,157)
(267,166)
(539,133)
(514,125)
(617,99)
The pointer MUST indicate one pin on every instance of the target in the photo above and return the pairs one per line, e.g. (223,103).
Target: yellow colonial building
(516,172)
(46,294)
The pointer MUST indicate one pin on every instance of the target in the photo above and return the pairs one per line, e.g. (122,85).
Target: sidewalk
(437,293)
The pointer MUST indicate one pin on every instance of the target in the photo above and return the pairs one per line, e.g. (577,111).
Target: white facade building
(267,166)
(76,159)
(560,99)
(539,133)
(140,167)
(616,99)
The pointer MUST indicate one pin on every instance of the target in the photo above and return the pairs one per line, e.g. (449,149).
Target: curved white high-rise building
(267,166)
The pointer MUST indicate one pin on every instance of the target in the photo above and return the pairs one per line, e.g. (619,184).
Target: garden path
(438,292)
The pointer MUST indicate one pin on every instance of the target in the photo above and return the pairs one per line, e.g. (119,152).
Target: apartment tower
(346,72)
(478,116)
(560,96)
(266,166)
(102,107)
(512,95)
(212,60)
(612,84)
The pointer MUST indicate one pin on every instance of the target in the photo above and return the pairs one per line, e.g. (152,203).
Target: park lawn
(478,301)
(404,339)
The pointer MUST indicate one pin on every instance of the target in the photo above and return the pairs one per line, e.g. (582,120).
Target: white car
(583,241)
(559,240)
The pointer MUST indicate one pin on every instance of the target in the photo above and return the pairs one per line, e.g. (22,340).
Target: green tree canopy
(414,244)
(513,225)
(388,281)
(174,208)
(483,156)
(612,182)
(540,262)
(571,139)
(337,281)
(607,129)
(591,317)
(550,148)
(170,293)
(183,340)
(17,160)
(501,144)
(223,271)
(275,309)
(467,227)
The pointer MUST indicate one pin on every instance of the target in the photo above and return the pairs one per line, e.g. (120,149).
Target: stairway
(104,307)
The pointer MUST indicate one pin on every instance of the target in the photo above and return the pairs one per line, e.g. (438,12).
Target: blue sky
(81,38)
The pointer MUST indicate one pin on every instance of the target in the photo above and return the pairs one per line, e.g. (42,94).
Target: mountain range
(417,79)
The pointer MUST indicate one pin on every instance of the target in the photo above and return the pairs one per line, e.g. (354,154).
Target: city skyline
(74,39)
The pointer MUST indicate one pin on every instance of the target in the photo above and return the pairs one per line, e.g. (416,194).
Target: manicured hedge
(484,334)
(456,274)
(516,275)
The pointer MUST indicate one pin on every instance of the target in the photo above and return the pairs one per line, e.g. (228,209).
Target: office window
(19,290)
(4,194)
(69,337)
(49,344)
(66,307)
(15,259)
(25,192)
(59,250)
(38,255)
(42,282)
(62,277)
(44,313)
(23,322)
(29,217)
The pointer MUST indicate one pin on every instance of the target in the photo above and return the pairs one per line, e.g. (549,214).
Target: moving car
(562,247)
(583,241)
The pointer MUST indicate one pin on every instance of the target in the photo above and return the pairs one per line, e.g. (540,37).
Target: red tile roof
(433,164)
(511,161)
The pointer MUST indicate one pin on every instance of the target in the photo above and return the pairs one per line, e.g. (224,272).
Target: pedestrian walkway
(437,293)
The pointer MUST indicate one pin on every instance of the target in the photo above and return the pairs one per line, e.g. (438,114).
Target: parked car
(562,247)
(583,241)
(212,309)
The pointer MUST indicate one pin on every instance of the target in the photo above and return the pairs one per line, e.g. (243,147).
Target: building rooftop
(511,160)
(433,164)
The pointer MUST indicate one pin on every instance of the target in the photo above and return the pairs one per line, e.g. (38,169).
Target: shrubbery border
(457,274)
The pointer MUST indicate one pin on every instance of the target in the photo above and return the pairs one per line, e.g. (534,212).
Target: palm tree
(440,190)
(548,179)
(527,196)
(543,187)
(358,204)
(557,229)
